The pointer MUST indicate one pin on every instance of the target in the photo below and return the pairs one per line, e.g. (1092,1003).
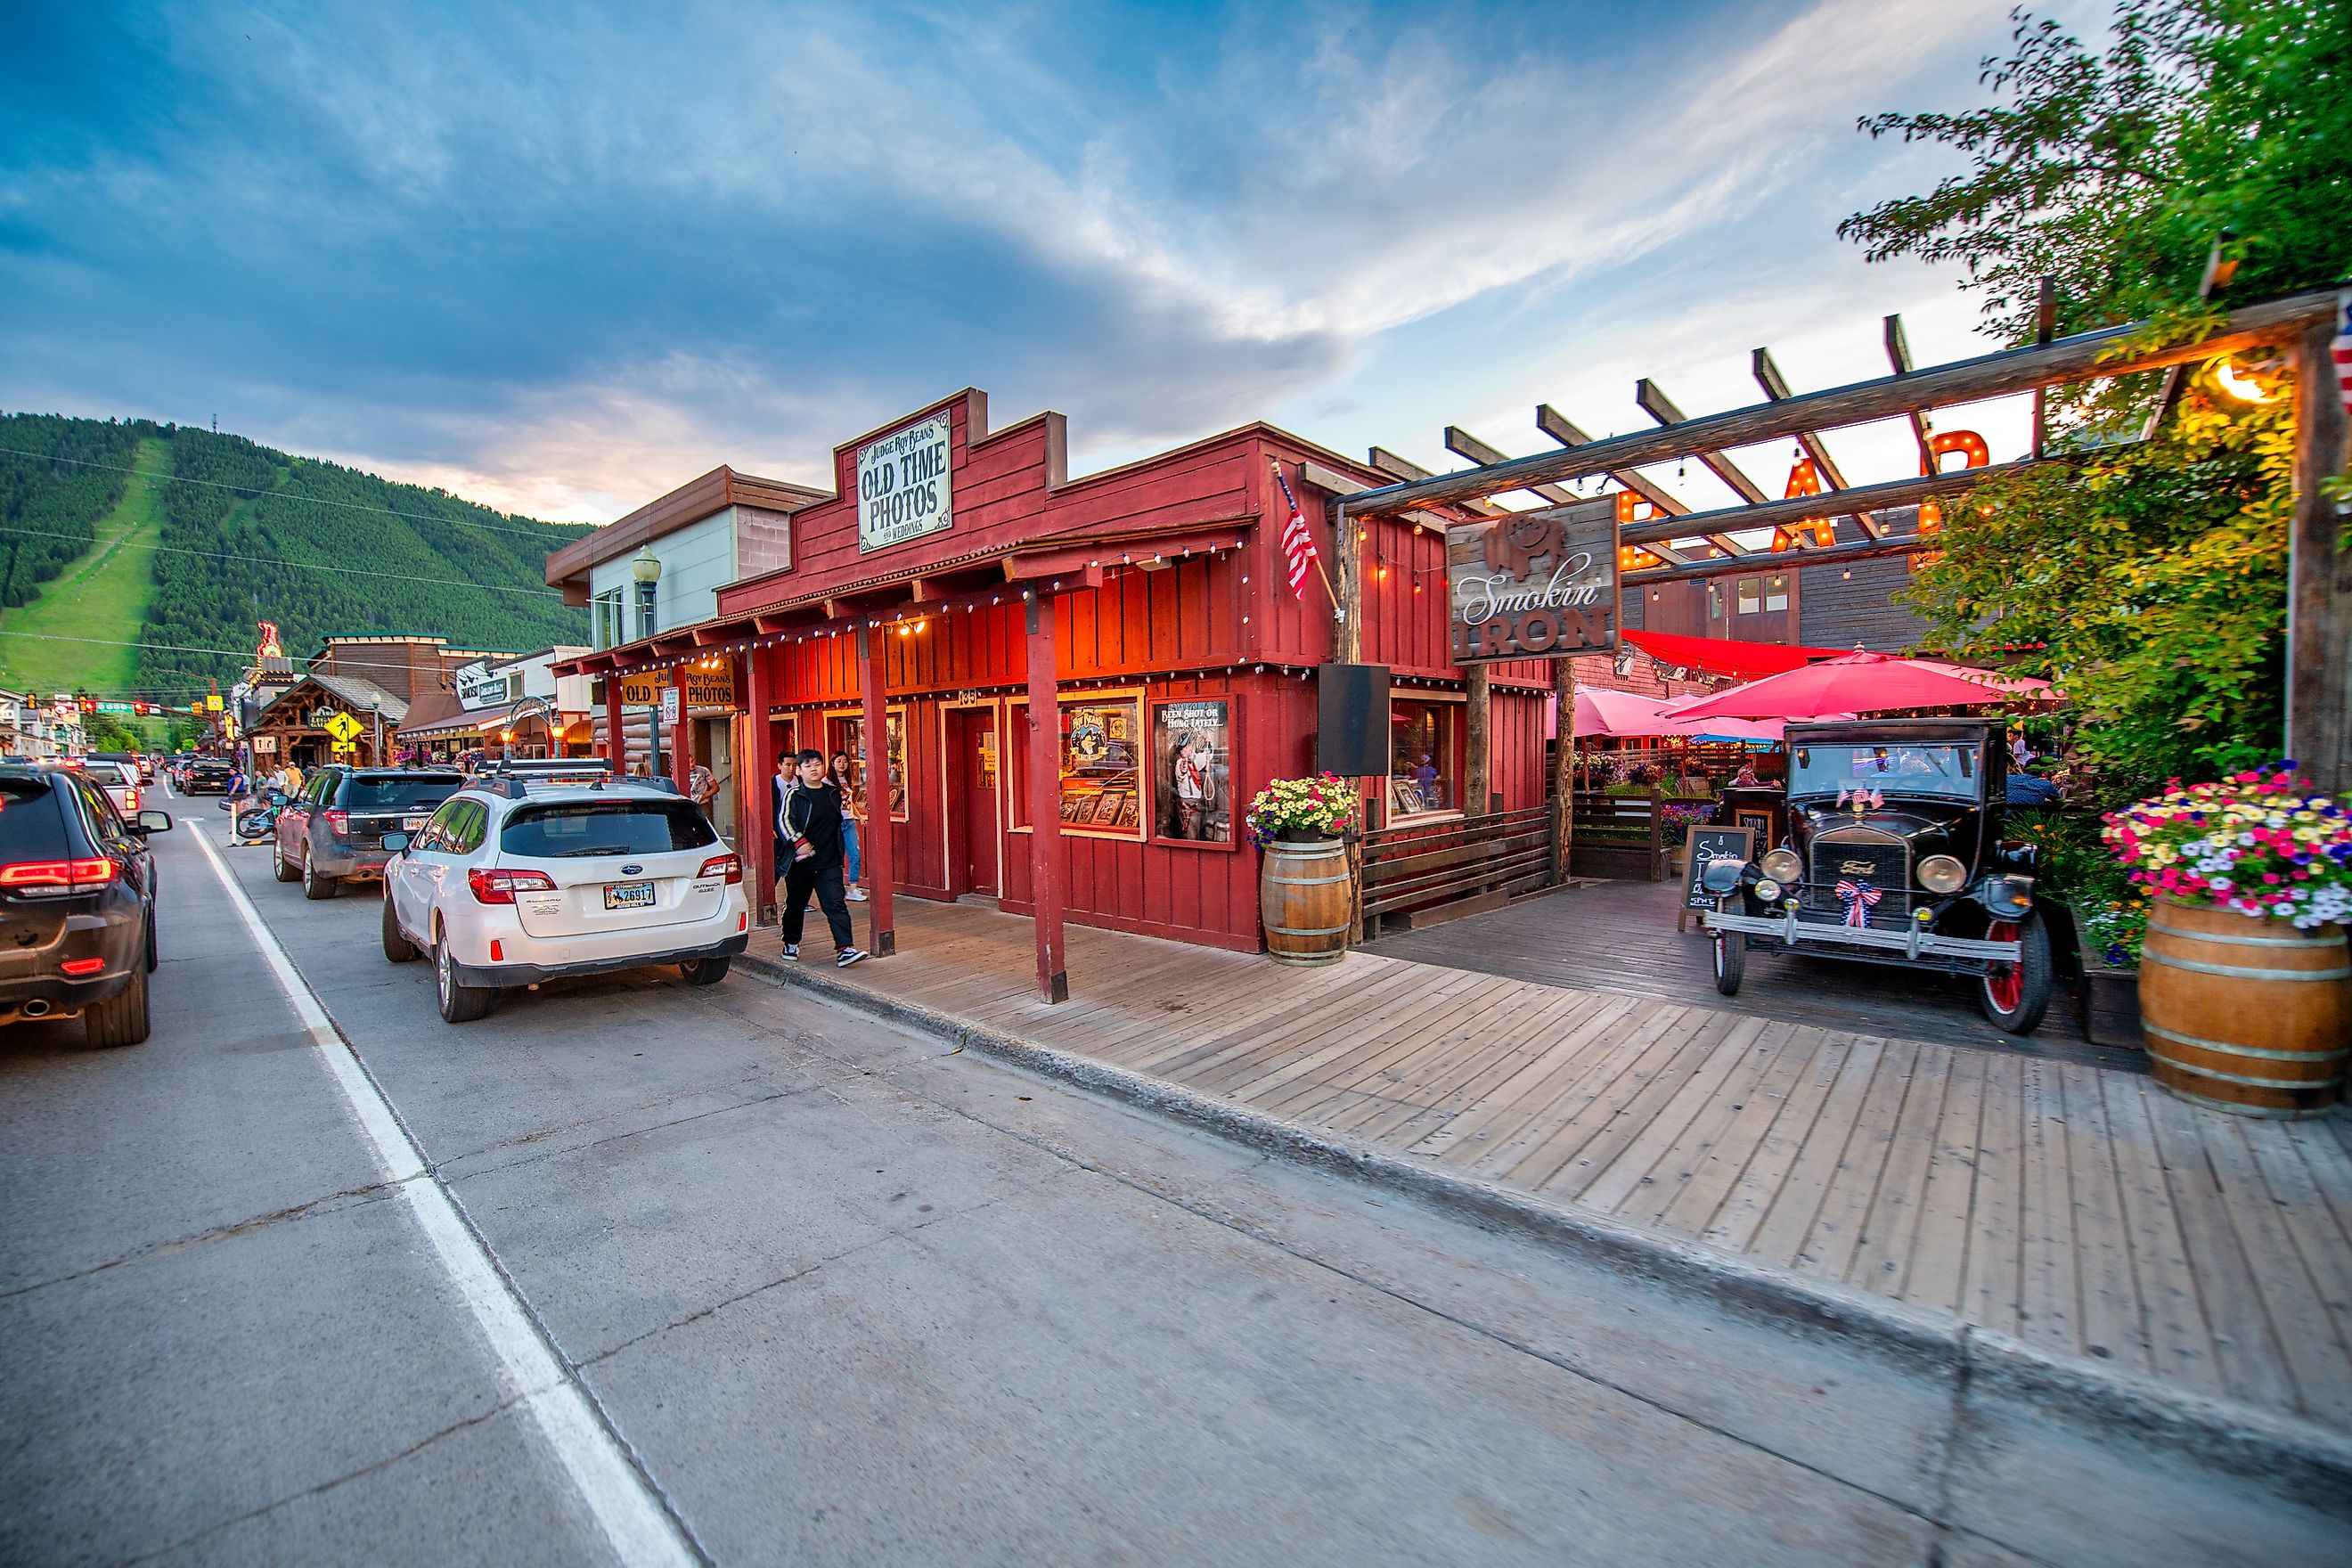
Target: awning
(1728,655)
(475,721)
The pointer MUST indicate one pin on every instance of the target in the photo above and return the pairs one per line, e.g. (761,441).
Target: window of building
(1421,771)
(1776,592)
(609,628)
(845,732)
(1102,753)
(1750,596)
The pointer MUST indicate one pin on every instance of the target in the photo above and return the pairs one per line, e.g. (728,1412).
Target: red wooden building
(1144,609)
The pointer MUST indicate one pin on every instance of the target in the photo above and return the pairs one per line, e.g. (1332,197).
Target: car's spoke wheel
(2016,994)
(460,1004)
(278,868)
(1730,961)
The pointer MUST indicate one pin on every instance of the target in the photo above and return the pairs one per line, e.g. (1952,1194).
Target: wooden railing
(1459,865)
(1617,835)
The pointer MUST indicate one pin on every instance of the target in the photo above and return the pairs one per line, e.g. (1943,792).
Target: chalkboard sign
(1701,845)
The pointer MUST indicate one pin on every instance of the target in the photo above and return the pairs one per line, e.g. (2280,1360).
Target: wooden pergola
(1688,544)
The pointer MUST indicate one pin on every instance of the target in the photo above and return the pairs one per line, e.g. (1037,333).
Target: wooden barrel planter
(1303,900)
(2244,1013)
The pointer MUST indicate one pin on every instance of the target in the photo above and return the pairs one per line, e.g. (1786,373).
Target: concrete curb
(2278,1451)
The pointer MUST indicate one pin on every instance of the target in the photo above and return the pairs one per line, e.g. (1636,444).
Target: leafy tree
(2155,573)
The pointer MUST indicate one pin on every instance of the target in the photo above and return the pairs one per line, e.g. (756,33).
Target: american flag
(2342,347)
(1297,543)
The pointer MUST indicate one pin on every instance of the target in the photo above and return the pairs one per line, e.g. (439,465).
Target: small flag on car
(1297,543)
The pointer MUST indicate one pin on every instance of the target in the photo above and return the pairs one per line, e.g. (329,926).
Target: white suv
(513,882)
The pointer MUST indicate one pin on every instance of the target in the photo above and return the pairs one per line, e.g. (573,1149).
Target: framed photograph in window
(1101,762)
(1193,772)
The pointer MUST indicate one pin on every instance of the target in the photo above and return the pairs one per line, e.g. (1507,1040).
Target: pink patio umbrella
(1626,714)
(1854,683)
(2018,686)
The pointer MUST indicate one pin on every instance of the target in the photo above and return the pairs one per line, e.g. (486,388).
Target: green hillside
(213,533)
(76,630)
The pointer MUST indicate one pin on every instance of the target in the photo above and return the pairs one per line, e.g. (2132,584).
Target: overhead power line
(123,540)
(258,490)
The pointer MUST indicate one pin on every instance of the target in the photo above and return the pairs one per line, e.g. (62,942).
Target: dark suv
(333,831)
(1894,856)
(205,775)
(77,905)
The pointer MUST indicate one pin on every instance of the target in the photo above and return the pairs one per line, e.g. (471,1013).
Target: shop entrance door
(971,801)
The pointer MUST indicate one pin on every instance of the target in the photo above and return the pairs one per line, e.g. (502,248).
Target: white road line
(633,1522)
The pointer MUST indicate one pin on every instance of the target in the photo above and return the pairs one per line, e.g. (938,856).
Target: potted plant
(1677,817)
(2107,942)
(1306,889)
(2245,985)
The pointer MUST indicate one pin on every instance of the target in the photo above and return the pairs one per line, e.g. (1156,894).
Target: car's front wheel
(2016,994)
(396,947)
(314,886)
(459,1004)
(704,971)
(1730,961)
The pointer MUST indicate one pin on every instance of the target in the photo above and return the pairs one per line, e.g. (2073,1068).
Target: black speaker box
(1351,720)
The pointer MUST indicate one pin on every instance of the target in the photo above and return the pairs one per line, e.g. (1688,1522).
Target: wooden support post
(1563,769)
(2319,574)
(1045,861)
(1478,771)
(616,739)
(755,777)
(874,833)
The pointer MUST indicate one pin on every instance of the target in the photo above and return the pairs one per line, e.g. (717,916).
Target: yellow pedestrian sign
(345,727)
(345,748)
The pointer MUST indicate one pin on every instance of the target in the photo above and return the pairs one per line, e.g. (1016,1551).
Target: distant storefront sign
(479,687)
(903,485)
(1538,585)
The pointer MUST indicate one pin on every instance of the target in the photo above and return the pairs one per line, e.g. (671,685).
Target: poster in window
(1192,768)
(1099,762)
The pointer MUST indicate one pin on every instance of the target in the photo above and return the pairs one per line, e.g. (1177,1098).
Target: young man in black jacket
(808,841)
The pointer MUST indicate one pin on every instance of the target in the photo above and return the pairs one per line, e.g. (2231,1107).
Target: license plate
(628,895)
(412,824)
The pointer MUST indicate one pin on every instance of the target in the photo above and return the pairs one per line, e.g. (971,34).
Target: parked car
(513,882)
(77,904)
(332,832)
(1894,856)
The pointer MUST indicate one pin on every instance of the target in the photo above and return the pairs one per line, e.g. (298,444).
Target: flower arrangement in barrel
(2263,842)
(1325,804)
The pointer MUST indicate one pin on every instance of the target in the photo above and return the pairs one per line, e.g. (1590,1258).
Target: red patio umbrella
(1626,714)
(1852,683)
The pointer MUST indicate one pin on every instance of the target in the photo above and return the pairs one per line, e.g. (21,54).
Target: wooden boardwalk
(1620,936)
(2076,1207)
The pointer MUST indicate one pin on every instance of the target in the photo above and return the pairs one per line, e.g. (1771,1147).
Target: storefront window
(847,733)
(1102,755)
(1422,775)
(1191,770)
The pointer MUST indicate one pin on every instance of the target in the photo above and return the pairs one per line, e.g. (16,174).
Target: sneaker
(790,950)
(857,895)
(846,957)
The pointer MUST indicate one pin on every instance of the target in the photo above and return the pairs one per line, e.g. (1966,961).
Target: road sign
(213,703)
(669,705)
(345,748)
(343,727)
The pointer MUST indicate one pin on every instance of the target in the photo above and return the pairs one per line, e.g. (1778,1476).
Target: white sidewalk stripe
(633,1522)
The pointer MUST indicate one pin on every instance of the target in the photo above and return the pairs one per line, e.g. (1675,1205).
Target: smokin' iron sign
(1538,585)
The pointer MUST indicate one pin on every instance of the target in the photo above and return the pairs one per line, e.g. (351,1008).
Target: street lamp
(647,568)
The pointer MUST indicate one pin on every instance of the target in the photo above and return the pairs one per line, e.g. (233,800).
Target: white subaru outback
(515,880)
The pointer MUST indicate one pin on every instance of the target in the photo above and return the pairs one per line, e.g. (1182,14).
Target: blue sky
(562,259)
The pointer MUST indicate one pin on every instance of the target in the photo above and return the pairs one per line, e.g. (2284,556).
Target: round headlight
(1767,890)
(1782,866)
(1942,874)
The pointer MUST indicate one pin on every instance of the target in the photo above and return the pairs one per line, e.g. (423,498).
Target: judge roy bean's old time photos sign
(903,485)
(1539,585)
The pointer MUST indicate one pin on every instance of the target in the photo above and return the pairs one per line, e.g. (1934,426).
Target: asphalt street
(734,1275)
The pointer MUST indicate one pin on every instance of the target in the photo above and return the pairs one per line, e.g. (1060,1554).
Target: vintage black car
(1894,854)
